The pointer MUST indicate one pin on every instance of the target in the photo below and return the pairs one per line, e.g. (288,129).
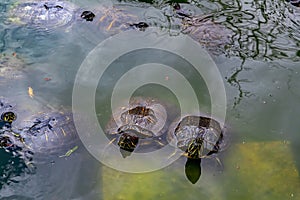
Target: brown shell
(146,116)
(192,131)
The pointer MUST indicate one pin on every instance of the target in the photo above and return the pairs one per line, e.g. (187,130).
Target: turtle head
(194,150)
(128,142)
(6,119)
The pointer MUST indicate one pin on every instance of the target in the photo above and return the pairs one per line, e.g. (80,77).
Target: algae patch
(262,170)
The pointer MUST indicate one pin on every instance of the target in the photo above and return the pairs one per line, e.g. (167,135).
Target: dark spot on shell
(46,7)
(141,26)
(49,7)
(58,6)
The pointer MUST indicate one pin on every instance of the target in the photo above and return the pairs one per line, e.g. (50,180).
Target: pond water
(255,46)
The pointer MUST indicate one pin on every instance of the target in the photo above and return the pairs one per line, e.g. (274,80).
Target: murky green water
(259,66)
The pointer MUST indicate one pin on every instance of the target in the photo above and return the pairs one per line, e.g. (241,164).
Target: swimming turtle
(117,18)
(143,122)
(50,132)
(49,14)
(197,137)
(54,14)
(202,28)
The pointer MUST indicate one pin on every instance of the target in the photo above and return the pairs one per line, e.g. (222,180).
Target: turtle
(117,18)
(33,166)
(141,125)
(212,35)
(55,14)
(51,132)
(197,137)
(48,14)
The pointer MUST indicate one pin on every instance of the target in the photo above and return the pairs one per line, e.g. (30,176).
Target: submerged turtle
(202,28)
(47,14)
(53,14)
(117,18)
(198,137)
(143,122)
(51,132)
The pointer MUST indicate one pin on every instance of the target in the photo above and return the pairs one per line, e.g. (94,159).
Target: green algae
(261,170)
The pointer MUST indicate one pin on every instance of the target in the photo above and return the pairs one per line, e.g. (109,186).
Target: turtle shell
(212,35)
(47,132)
(47,14)
(144,121)
(115,19)
(110,20)
(197,136)
(146,117)
(51,132)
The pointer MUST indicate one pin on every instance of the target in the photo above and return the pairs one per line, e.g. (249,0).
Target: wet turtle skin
(128,142)
(197,136)
(143,124)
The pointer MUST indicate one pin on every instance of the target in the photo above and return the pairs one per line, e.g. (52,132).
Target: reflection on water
(256,47)
(11,167)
